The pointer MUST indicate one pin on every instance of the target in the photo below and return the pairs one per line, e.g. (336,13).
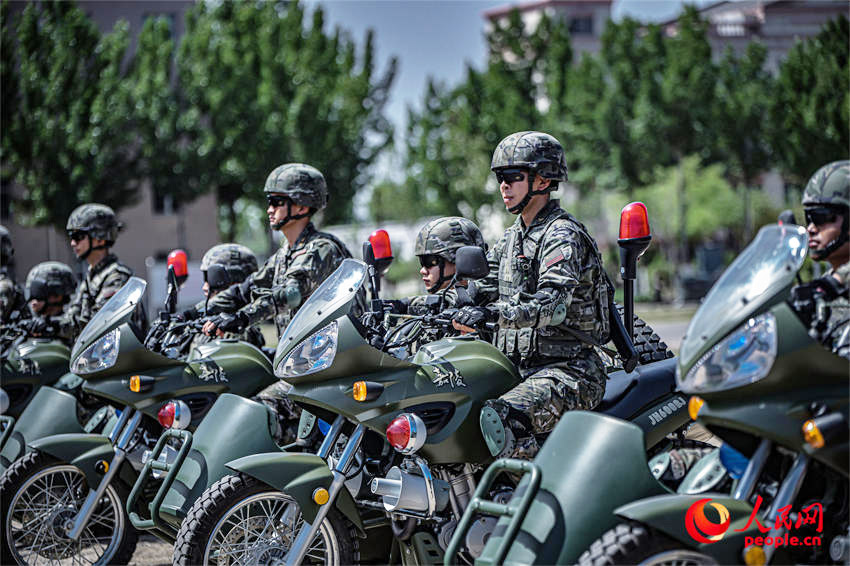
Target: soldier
(12,302)
(223,266)
(548,291)
(92,230)
(824,302)
(294,191)
(50,286)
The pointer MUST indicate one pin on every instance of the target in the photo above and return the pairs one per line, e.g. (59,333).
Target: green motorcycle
(399,461)
(28,363)
(64,500)
(776,397)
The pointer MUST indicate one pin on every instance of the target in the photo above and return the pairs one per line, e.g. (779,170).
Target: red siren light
(634,221)
(178,260)
(381,247)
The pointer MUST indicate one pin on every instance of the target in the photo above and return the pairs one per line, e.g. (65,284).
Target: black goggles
(40,290)
(217,277)
(77,235)
(429,261)
(510,175)
(820,216)
(278,200)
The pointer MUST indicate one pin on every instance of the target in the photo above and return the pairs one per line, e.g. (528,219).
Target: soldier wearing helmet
(824,302)
(92,230)
(224,266)
(12,302)
(549,293)
(50,286)
(294,191)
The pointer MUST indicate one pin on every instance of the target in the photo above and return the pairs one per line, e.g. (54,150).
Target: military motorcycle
(400,458)
(64,500)
(28,363)
(777,399)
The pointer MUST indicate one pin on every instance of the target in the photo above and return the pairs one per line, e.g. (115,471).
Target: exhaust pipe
(401,491)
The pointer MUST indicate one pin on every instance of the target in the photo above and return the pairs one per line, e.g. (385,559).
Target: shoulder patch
(560,254)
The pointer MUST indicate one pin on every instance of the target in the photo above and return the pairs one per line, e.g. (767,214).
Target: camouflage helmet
(232,263)
(539,152)
(443,236)
(7,251)
(830,185)
(304,184)
(97,219)
(50,278)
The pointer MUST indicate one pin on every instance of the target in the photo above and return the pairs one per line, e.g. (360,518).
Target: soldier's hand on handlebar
(470,319)
(225,322)
(36,326)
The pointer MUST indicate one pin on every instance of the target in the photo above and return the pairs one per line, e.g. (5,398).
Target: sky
(439,37)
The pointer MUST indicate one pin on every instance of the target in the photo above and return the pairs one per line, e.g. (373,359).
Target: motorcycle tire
(633,543)
(35,478)
(649,346)
(230,496)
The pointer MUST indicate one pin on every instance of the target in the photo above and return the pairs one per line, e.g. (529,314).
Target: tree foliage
(67,113)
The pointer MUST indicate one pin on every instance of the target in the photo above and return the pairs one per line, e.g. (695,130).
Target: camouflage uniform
(297,270)
(551,290)
(103,279)
(12,302)
(46,279)
(830,323)
(101,282)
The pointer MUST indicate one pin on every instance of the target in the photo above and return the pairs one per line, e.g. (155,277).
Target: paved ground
(669,323)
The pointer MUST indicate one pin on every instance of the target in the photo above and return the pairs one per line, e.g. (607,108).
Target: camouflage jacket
(550,288)
(101,282)
(307,263)
(13,305)
(831,322)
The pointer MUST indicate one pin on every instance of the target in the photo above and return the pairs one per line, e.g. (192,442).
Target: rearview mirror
(471,263)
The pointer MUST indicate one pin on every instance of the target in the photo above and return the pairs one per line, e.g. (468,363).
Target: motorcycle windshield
(333,298)
(766,267)
(121,305)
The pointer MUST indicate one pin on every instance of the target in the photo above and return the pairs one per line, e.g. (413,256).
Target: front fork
(308,530)
(120,437)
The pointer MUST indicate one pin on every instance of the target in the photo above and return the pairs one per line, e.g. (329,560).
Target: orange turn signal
(755,556)
(360,391)
(812,434)
(366,390)
(694,405)
(321,496)
(135,384)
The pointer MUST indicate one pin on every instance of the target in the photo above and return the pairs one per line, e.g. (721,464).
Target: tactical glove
(473,317)
(228,322)
(36,326)
(394,306)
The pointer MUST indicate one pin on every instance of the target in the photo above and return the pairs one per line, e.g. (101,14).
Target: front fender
(50,412)
(84,451)
(591,464)
(298,475)
(666,513)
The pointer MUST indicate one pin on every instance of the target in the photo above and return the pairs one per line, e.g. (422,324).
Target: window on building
(581,25)
(163,203)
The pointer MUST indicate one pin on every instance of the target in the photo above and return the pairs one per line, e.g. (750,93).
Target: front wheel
(240,520)
(633,543)
(39,496)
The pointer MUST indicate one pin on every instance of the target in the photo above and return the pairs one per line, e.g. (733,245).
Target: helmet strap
(520,206)
(440,280)
(289,216)
(833,245)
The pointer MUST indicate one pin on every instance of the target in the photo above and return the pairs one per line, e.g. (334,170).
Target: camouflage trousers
(535,405)
(287,413)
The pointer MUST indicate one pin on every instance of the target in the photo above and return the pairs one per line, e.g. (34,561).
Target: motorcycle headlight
(99,356)
(314,353)
(743,357)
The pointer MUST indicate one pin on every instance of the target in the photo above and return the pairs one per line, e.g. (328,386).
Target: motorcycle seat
(626,393)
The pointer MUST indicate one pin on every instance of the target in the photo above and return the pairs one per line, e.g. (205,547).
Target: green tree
(264,87)
(810,110)
(67,113)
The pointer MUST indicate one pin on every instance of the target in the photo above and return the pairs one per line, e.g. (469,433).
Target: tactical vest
(284,260)
(519,272)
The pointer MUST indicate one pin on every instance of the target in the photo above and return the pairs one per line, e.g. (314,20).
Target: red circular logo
(701,528)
